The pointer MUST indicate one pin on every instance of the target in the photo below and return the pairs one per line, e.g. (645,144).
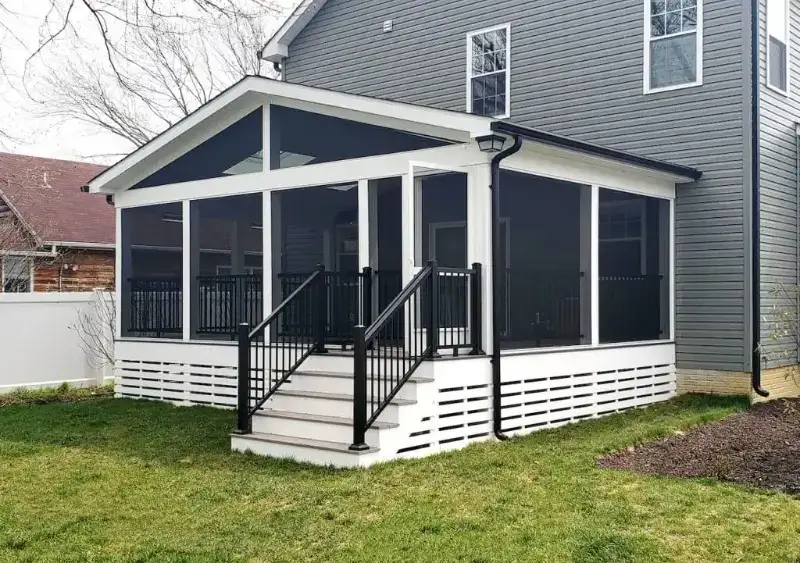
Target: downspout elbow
(497,281)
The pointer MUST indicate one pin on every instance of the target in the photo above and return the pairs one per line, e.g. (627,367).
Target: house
(52,236)
(367,279)
(711,85)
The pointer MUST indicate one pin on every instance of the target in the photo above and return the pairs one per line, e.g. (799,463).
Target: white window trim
(31,265)
(470,35)
(787,44)
(699,46)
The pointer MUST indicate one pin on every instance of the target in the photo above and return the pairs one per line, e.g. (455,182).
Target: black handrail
(268,357)
(407,332)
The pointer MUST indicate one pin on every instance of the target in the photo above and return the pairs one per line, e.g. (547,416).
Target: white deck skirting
(448,406)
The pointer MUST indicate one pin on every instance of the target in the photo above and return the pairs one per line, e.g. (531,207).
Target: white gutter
(87,245)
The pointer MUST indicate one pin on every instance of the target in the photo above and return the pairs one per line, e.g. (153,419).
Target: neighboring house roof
(277,48)
(238,100)
(45,195)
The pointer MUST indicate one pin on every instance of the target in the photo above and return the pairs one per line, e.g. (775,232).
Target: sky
(33,133)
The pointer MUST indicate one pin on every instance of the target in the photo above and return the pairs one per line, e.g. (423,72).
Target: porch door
(449,244)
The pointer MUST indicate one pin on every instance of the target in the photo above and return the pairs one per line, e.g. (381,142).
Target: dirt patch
(760,447)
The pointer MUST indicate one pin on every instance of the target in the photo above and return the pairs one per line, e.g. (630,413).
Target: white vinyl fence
(47,339)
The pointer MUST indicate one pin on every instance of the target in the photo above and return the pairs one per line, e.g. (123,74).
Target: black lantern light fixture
(491,143)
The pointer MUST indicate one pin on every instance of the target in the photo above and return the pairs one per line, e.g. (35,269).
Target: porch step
(327,404)
(318,452)
(320,427)
(342,383)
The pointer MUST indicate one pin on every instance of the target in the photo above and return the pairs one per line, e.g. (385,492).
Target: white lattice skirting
(180,373)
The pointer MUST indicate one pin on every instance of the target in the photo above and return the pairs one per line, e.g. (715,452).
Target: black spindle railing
(269,355)
(156,306)
(225,302)
(438,309)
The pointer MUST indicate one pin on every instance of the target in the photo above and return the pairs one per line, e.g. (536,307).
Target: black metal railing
(630,308)
(227,301)
(409,331)
(268,356)
(542,307)
(156,306)
(349,302)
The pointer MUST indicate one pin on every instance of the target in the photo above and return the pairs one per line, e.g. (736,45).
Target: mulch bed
(760,447)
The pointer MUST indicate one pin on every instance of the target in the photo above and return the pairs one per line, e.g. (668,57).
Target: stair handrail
(288,355)
(364,337)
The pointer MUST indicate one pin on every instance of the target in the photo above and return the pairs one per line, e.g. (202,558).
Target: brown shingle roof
(46,194)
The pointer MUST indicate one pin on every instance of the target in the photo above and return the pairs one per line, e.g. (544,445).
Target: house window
(621,235)
(673,44)
(488,71)
(778,45)
(17,274)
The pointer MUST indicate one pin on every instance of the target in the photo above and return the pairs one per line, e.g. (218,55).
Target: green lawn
(115,480)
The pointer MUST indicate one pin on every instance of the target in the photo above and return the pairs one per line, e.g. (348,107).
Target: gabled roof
(45,195)
(252,91)
(277,48)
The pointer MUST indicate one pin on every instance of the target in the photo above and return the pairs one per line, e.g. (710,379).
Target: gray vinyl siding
(576,69)
(778,184)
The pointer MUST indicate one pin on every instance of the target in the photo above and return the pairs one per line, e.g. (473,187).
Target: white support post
(266,141)
(409,228)
(479,239)
(672,269)
(123,273)
(595,265)
(266,256)
(188,293)
(363,224)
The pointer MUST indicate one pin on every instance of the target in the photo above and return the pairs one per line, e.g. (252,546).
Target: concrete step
(318,452)
(327,404)
(319,427)
(342,383)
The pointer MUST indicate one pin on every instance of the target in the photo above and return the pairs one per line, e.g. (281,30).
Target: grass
(118,480)
(64,393)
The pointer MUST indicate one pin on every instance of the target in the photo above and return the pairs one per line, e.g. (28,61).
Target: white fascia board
(571,166)
(277,48)
(253,91)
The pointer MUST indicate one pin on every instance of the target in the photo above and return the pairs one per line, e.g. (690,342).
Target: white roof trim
(252,91)
(277,48)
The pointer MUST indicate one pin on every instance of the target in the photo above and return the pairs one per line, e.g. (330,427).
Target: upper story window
(488,71)
(778,45)
(673,49)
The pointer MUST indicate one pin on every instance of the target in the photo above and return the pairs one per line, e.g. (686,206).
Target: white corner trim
(698,31)
(277,48)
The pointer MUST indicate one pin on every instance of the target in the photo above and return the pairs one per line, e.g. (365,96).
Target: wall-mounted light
(491,143)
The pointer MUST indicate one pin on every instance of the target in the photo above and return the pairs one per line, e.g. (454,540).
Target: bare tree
(135,67)
(95,327)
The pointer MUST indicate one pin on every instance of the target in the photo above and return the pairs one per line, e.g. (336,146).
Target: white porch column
(124,271)
(364,228)
(409,227)
(594,267)
(190,246)
(266,255)
(479,238)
